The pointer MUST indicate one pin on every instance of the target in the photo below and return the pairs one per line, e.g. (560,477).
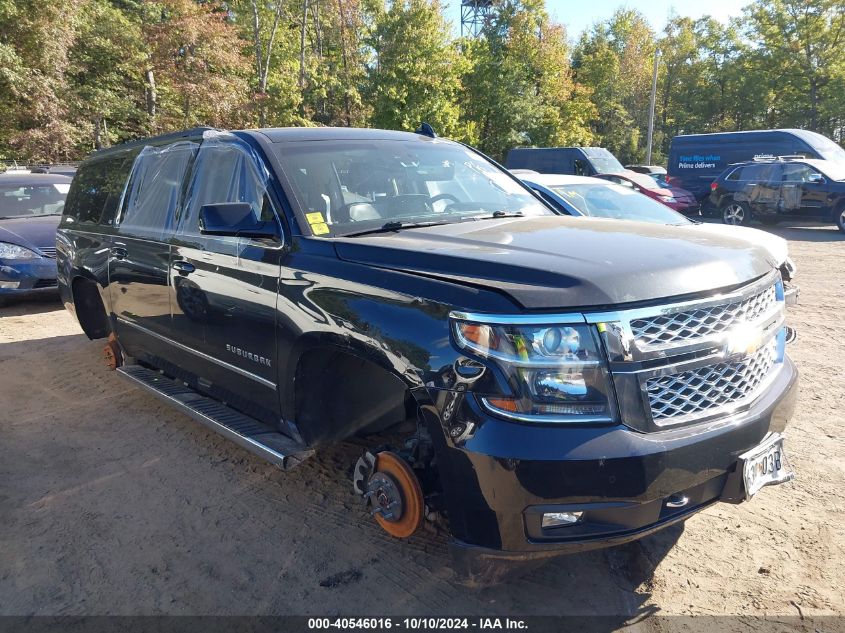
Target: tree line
(76,75)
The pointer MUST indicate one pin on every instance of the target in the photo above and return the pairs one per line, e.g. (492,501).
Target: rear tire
(736,213)
(839,218)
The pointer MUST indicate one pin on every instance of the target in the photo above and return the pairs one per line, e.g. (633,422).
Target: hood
(555,262)
(777,247)
(38,231)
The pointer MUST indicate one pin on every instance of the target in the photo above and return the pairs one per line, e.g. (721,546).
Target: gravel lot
(112,503)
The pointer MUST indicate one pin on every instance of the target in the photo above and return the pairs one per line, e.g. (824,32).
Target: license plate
(764,465)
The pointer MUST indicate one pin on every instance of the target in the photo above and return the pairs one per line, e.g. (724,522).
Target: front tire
(736,213)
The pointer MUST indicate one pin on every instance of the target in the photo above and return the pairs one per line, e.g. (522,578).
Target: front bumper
(31,276)
(501,480)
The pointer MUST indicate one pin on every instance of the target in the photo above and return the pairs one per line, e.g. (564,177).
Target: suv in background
(696,159)
(533,383)
(774,189)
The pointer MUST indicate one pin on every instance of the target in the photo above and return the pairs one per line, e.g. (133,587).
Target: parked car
(771,190)
(64,169)
(680,200)
(695,160)
(650,170)
(578,161)
(595,197)
(538,384)
(30,208)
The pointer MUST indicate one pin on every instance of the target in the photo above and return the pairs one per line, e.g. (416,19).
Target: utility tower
(475,14)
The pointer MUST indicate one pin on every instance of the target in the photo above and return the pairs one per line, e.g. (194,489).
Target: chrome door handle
(183,268)
(118,252)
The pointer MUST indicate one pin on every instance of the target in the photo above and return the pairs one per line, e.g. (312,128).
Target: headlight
(556,372)
(668,199)
(13,251)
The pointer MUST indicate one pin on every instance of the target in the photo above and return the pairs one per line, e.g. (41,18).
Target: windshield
(832,170)
(603,161)
(617,202)
(18,201)
(353,186)
(826,148)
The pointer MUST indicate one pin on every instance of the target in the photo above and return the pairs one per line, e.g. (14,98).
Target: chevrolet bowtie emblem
(743,341)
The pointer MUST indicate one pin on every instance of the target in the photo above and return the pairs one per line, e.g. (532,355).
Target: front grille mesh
(701,390)
(668,329)
(49,251)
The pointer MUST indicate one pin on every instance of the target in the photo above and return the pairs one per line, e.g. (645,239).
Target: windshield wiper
(500,214)
(390,227)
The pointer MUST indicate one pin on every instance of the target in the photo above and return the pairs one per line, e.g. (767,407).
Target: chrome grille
(689,325)
(699,391)
(48,251)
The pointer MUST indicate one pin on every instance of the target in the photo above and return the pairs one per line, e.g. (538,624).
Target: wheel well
(90,310)
(338,394)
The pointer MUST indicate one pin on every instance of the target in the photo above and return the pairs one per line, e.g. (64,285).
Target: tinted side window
(797,172)
(155,188)
(225,172)
(97,188)
(759,173)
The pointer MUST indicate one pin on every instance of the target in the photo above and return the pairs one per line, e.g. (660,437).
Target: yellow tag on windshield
(315,218)
(320,229)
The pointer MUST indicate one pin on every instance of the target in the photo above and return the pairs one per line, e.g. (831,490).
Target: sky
(578,15)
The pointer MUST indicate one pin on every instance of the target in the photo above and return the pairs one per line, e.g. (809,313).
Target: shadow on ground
(115,504)
(37,305)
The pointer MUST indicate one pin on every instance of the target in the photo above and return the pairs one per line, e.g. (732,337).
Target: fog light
(560,519)
(9,284)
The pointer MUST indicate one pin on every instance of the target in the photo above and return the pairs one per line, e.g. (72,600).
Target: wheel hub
(383,496)
(734,214)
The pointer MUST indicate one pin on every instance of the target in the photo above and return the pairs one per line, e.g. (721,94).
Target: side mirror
(234,219)
(815,177)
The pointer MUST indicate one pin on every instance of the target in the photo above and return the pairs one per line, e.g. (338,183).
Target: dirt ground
(112,503)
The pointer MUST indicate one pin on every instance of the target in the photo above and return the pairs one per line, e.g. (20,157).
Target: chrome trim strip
(554,419)
(518,319)
(671,308)
(217,361)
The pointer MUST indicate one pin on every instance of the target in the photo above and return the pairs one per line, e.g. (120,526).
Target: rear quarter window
(96,190)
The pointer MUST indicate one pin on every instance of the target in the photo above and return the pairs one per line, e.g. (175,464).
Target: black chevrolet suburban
(535,384)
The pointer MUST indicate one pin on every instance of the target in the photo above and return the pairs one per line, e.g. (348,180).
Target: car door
(224,289)
(805,191)
(760,187)
(139,260)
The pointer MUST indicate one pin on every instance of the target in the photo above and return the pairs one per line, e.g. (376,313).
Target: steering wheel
(442,196)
